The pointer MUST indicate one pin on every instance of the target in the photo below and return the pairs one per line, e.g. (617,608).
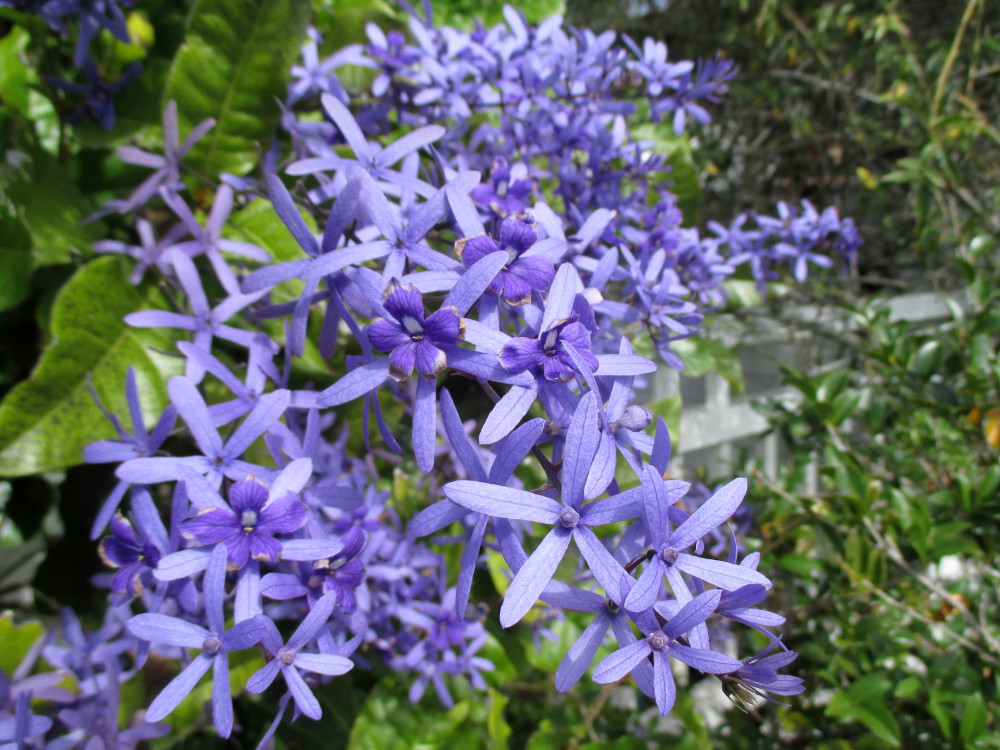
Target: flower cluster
(522,259)
(86,19)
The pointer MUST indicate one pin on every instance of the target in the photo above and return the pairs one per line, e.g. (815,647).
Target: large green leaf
(233,66)
(51,205)
(46,421)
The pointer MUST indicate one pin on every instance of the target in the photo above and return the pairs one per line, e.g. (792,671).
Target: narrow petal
(656,504)
(644,592)
(192,409)
(354,384)
(623,365)
(616,665)
(424,424)
(506,413)
(171,631)
(222,699)
(715,511)
(261,679)
(467,454)
(693,613)
(581,653)
(603,566)
(474,282)
(330,664)
(664,690)
(503,502)
(178,688)
(704,660)
(215,589)
(303,696)
(722,574)
(183,564)
(345,121)
(467,566)
(308,550)
(436,517)
(268,410)
(511,451)
(289,214)
(582,438)
(602,471)
(533,576)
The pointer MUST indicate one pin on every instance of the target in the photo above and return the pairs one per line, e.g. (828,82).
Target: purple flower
(662,644)
(522,273)
(343,573)
(287,658)
(167,166)
(758,675)
(247,527)
(135,445)
(547,351)
(134,557)
(506,190)
(215,643)
(411,340)
(570,519)
(667,557)
(206,322)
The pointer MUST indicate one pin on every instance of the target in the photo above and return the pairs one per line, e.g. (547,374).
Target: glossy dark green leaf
(46,421)
(233,67)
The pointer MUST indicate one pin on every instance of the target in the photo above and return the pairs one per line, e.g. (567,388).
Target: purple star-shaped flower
(668,558)
(215,643)
(661,644)
(288,659)
(570,519)
(167,166)
(523,272)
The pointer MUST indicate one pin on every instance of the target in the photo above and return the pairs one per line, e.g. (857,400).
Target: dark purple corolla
(506,190)
(412,340)
(547,351)
(246,529)
(134,557)
(343,573)
(522,273)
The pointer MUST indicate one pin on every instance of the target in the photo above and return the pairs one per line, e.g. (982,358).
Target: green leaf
(15,76)
(864,701)
(388,721)
(16,264)
(496,725)
(52,206)
(927,360)
(47,420)
(973,721)
(16,640)
(233,67)
(701,355)
(670,409)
